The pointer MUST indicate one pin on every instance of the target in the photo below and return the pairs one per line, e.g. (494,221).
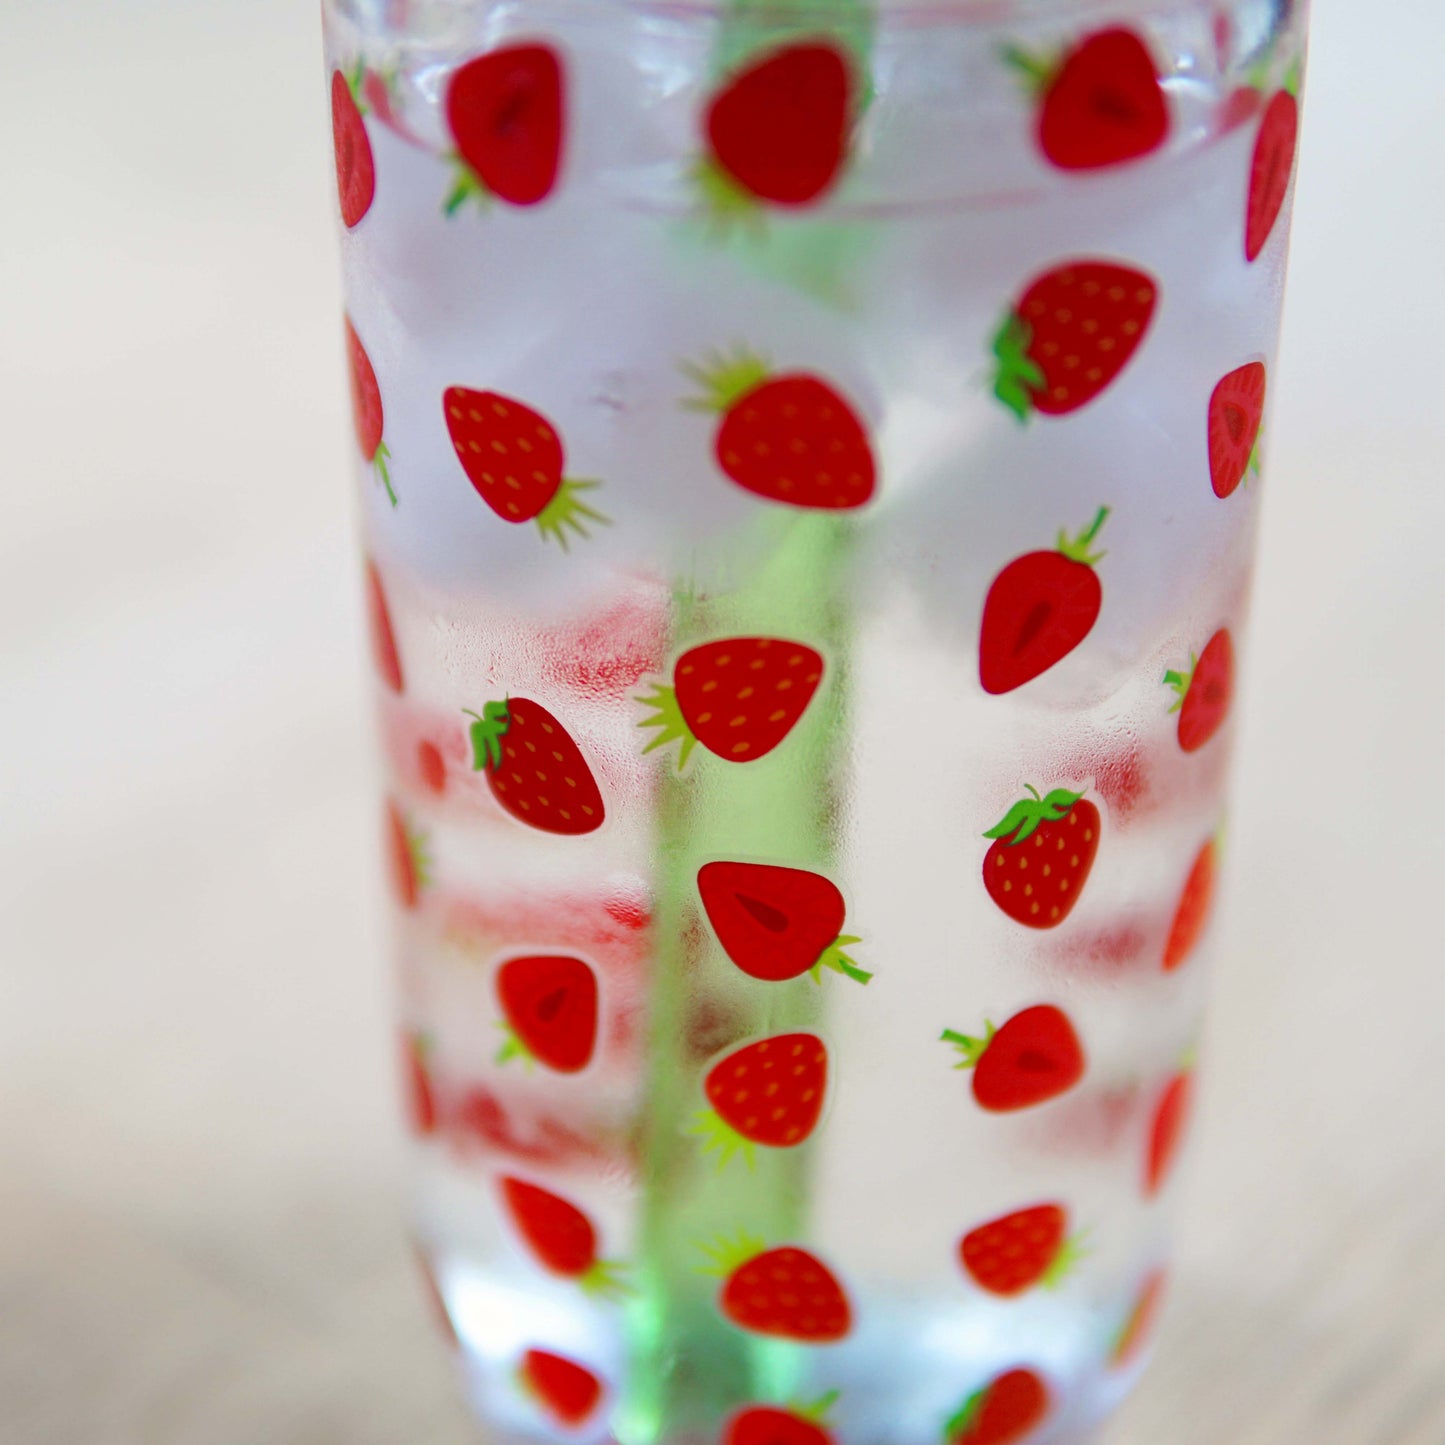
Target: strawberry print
(1039,609)
(1041,857)
(562,1388)
(383,636)
(513,457)
(777,923)
(1191,916)
(376,92)
(1269,170)
(1205,691)
(739,697)
(1034,1057)
(786,1292)
(768,1092)
(535,770)
(1006,1410)
(1166,1130)
(406,853)
(1069,336)
(768,1425)
(431,766)
(422,1112)
(366,409)
(1237,108)
(777,132)
(1100,105)
(1017,1251)
(549,1002)
(1236,410)
(787,437)
(561,1236)
(506,113)
(355,167)
(1140,1324)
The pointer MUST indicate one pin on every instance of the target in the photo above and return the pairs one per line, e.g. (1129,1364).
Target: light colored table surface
(199,1236)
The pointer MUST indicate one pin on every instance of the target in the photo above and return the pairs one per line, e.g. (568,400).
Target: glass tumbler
(809,457)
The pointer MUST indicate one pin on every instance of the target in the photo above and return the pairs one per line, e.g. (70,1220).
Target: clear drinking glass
(809,470)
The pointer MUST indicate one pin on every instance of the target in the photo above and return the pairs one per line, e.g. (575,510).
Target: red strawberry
(550,1003)
(432,766)
(1192,914)
(366,410)
(1015,1252)
(789,438)
(407,855)
(1102,104)
(536,771)
(1205,691)
(1038,610)
(1005,1410)
(512,455)
(1042,854)
(739,697)
(376,92)
(785,1291)
(778,130)
(1269,170)
(505,110)
(383,636)
(567,1391)
(1071,333)
(355,168)
(1236,409)
(1034,1057)
(561,1236)
(420,1093)
(768,1092)
(766,1425)
(777,923)
(1140,1324)
(1166,1130)
(1238,108)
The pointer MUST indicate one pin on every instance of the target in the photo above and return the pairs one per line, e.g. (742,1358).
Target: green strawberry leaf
(487,733)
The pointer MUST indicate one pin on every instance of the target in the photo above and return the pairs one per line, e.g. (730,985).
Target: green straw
(688,1367)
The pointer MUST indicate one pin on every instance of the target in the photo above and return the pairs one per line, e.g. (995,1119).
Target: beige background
(199,1236)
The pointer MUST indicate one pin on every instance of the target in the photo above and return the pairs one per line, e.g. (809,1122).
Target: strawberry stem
(1035,70)
(725,1255)
(1024,818)
(1180,681)
(567,510)
(513,1047)
(718,1135)
(603,1279)
(724,378)
(417,845)
(667,717)
(817,1410)
(962,1418)
(487,733)
(834,957)
(1076,549)
(970,1048)
(1062,1265)
(378,459)
(465,188)
(1018,375)
(724,203)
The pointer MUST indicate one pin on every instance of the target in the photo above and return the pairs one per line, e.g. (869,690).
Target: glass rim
(980,15)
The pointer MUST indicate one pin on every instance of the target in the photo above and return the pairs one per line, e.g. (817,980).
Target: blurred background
(200,1221)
